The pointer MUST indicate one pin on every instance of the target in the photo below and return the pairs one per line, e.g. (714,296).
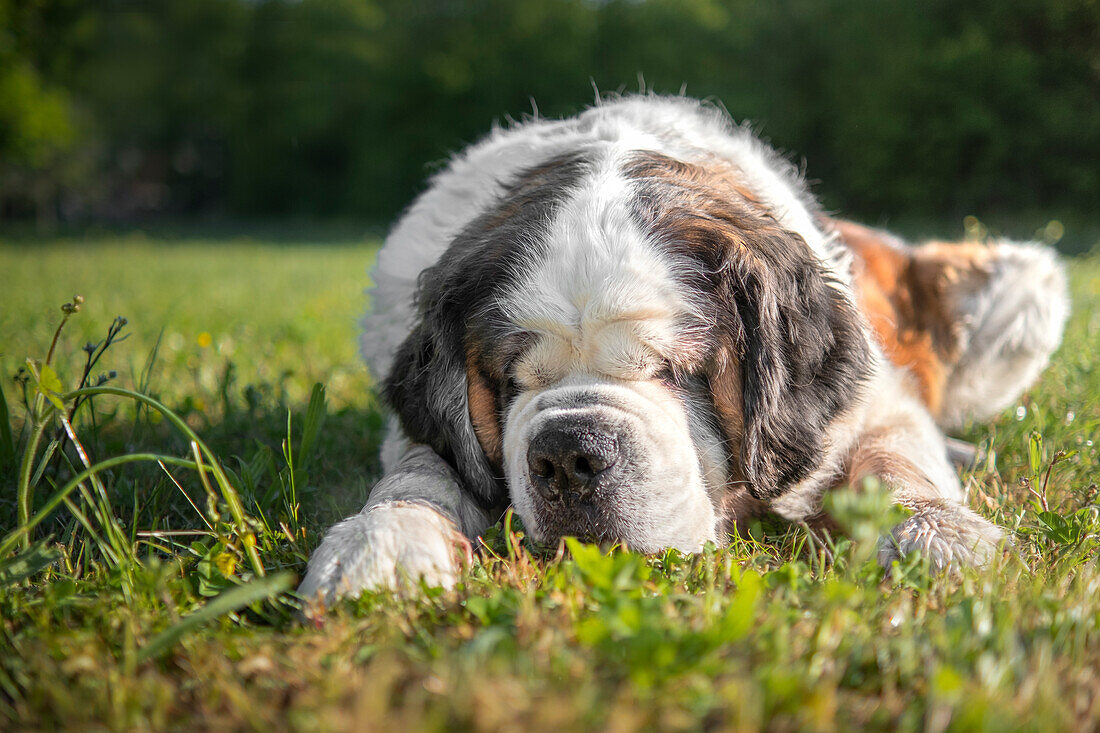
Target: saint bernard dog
(635,325)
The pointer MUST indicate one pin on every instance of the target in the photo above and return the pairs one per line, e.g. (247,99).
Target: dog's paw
(949,535)
(393,546)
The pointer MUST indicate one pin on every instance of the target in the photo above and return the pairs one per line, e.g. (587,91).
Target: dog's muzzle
(582,466)
(607,461)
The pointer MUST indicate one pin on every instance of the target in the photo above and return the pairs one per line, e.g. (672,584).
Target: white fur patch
(602,299)
(385,546)
(1011,326)
(947,534)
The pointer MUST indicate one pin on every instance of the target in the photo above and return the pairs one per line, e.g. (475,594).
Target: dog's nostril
(543,468)
(582,467)
(587,466)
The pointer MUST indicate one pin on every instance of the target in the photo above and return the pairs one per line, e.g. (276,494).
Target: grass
(136,607)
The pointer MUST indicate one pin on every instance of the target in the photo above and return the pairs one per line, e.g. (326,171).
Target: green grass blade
(44,462)
(315,420)
(146,378)
(24,529)
(230,600)
(7,444)
(27,563)
(25,488)
(229,493)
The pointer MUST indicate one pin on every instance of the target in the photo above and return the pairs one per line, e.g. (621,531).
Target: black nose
(566,462)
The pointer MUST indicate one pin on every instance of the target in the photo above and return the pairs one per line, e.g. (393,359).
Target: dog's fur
(636,325)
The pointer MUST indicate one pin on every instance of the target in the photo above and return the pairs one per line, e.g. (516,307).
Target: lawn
(139,603)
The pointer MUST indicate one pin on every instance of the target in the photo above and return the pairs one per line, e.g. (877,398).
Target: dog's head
(626,347)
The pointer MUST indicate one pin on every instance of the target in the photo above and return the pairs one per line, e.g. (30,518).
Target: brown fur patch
(725,389)
(873,458)
(738,506)
(908,294)
(482,401)
(698,184)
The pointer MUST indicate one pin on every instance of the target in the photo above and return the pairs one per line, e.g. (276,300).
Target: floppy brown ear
(437,386)
(428,390)
(801,354)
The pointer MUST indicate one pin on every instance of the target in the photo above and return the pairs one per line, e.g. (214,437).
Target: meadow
(157,594)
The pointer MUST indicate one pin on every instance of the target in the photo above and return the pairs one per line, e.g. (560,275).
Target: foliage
(930,110)
(37,122)
(134,607)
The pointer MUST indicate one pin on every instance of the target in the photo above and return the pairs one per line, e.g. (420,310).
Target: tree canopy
(115,109)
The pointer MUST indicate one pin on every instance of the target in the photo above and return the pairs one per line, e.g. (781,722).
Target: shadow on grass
(293,497)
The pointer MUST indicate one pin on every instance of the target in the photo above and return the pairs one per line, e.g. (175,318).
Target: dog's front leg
(909,456)
(418,522)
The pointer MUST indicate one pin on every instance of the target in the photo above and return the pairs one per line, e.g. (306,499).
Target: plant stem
(22,532)
(56,335)
(25,492)
(232,499)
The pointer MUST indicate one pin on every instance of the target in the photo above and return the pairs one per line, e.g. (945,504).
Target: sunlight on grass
(780,630)
(282,314)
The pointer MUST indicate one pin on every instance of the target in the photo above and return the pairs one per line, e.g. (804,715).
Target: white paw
(391,545)
(948,534)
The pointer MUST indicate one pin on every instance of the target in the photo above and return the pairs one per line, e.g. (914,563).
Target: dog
(636,325)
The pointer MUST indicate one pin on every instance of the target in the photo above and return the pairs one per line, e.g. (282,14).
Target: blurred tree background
(119,110)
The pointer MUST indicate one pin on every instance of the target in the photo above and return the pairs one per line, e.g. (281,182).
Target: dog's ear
(793,350)
(787,349)
(438,384)
(429,389)
(445,383)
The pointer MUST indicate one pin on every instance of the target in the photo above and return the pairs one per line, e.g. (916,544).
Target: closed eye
(512,349)
(667,374)
(511,389)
